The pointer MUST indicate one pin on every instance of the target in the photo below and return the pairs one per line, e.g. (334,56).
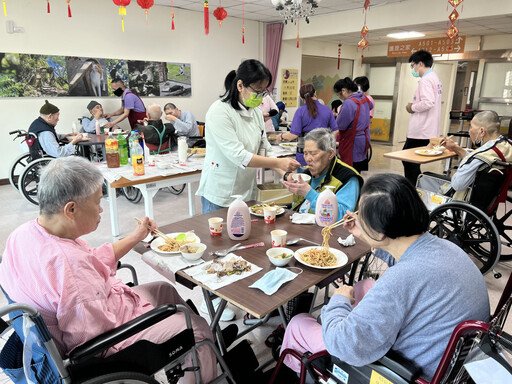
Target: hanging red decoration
(122,4)
(220,14)
(339,56)
(298,20)
(455,3)
(243,21)
(172,15)
(206,18)
(453,31)
(69,8)
(364,43)
(145,5)
(47,6)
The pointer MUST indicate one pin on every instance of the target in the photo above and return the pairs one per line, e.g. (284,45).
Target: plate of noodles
(316,257)
(173,248)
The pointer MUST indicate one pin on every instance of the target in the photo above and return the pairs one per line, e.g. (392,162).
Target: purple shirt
(132,101)
(345,119)
(302,123)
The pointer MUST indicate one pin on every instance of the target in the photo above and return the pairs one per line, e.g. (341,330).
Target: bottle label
(138,165)
(326,212)
(238,224)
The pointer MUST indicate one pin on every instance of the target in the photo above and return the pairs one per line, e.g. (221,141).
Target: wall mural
(24,75)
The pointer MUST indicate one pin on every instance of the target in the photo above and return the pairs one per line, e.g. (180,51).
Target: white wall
(95,31)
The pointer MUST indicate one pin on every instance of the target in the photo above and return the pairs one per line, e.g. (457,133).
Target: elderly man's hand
(300,187)
(170,117)
(288,165)
(408,107)
(108,125)
(347,291)
(76,139)
(448,144)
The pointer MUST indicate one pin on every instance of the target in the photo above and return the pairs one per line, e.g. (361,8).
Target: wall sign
(435,46)
(25,75)
(289,87)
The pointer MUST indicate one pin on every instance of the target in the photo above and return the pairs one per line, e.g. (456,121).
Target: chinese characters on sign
(289,87)
(435,46)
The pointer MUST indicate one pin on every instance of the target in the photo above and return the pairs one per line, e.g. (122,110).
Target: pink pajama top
(71,284)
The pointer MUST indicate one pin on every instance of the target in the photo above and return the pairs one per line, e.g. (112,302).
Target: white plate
(340,256)
(280,211)
(289,146)
(428,152)
(160,241)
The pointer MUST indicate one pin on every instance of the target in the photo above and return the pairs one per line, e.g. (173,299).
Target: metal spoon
(225,251)
(297,239)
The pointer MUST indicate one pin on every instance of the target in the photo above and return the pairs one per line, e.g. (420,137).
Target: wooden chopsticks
(157,232)
(341,222)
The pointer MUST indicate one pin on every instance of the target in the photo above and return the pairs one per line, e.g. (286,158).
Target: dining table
(411,155)
(251,300)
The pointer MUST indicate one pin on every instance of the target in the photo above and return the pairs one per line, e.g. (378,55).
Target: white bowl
(198,247)
(273,254)
(304,177)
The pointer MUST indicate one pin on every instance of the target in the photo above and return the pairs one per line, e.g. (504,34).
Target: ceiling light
(292,10)
(405,35)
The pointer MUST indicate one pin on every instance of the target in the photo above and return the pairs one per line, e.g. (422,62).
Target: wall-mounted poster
(289,87)
(24,75)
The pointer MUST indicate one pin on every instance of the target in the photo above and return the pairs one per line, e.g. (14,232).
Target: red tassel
(362,60)
(69,11)
(206,18)
(172,25)
(243,39)
(48,7)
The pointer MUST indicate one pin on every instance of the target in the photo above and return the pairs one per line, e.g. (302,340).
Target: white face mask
(272,280)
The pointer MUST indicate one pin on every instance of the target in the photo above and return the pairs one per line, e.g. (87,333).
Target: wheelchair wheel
(121,378)
(471,229)
(17,168)
(176,190)
(132,194)
(29,179)
(500,219)
(369,267)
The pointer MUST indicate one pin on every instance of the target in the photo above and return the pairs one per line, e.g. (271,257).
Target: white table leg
(191,200)
(112,202)
(148,192)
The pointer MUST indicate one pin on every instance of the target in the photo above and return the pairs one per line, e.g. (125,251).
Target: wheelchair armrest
(437,175)
(110,338)
(402,368)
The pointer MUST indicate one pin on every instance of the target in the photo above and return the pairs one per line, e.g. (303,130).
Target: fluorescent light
(405,35)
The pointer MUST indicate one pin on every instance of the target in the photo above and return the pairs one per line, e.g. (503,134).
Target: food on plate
(289,144)
(173,245)
(231,267)
(190,249)
(197,151)
(258,208)
(319,257)
(283,255)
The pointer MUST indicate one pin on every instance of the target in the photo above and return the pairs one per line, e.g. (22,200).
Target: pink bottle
(239,219)
(326,211)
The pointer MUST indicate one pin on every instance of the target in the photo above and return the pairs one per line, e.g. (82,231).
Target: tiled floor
(170,208)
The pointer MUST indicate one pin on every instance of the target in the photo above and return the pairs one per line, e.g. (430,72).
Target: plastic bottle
(239,219)
(326,211)
(112,150)
(98,129)
(123,149)
(182,149)
(137,158)
(139,139)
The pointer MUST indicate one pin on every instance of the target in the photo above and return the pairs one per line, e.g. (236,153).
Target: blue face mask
(272,280)
(414,73)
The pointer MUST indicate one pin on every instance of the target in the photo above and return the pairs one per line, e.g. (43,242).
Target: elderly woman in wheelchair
(48,266)
(414,306)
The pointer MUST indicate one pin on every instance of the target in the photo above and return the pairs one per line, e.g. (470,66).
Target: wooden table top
(412,157)
(124,182)
(253,300)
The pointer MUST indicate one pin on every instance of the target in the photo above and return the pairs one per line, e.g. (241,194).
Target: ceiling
(264,11)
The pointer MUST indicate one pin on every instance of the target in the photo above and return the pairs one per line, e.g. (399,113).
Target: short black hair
(363,82)
(390,205)
(346,83)
(170,106)
(335,104)
(422,56)
(117,80)
(250,71)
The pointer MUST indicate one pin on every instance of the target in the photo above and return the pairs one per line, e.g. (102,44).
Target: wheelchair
(137,363)
(468,338)
(478,225)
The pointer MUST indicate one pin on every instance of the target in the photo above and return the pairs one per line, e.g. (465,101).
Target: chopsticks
(157,232)
(342,221)
(442,141)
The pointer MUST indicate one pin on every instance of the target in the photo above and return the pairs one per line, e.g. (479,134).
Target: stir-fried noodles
(321,257)
(173,245)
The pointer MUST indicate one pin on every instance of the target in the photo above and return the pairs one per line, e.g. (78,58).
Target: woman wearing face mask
(353,124)
(310,116)
(235,133)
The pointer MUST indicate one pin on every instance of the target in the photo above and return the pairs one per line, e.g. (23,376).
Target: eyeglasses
(258,93)
(413,64)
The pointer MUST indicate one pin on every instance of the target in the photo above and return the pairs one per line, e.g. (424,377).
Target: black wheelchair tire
(29,180)
(132,194)
(504,229)
(176,190)
(121,378)
(17,167)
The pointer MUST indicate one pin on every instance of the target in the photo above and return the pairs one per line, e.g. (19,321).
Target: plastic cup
(278,238)
(216,224)
(269,215)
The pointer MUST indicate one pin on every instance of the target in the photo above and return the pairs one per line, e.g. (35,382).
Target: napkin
(167,266)
(348,242)
(303,218)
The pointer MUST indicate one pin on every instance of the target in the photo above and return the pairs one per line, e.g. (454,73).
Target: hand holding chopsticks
(153,228)
(443,141)
(342,221)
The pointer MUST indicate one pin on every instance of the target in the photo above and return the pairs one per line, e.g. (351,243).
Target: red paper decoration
(339,55)
(453,31)
(47,6)
(206,18)
(122,4)
(220,14)
(69,8)
(364,43)
(172,15)
(298,22)
(145,5)
(243,21)
(455,3)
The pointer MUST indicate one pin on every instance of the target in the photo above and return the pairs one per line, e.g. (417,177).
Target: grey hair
(67,179)
(323,138)
(154,111)
(488,119)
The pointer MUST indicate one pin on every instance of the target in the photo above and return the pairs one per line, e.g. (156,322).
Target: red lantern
(122,4)
(145,5)
(220,14)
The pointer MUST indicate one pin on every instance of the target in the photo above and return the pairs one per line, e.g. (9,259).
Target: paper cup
(85,135)
(278,238)
(269,214)
(216,225)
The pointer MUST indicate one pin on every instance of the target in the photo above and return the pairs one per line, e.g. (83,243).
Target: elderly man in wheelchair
(48,266)
(413,307)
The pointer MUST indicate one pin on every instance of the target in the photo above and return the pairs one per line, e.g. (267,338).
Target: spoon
(225,251)
(297,239)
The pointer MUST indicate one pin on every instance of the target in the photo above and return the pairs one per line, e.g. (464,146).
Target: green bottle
(123,149)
